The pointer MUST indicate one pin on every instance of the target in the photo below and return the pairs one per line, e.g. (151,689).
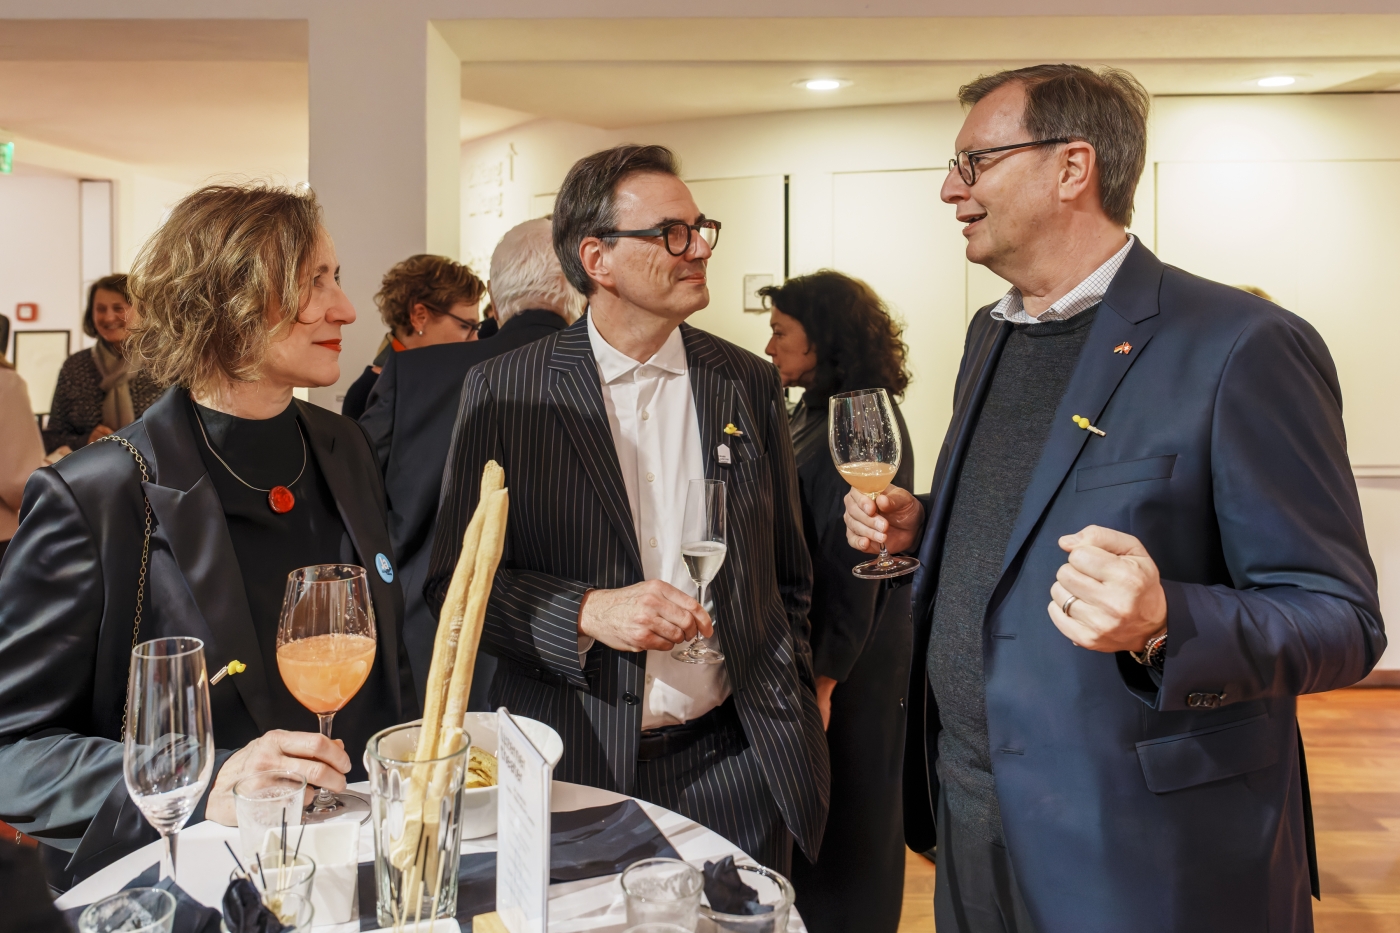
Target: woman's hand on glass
(322,761)
(893,518)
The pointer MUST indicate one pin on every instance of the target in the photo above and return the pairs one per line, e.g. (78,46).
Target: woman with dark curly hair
(832,333)
(98,391)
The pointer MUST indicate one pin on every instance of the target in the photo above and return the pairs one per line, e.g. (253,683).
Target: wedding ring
(1067,603)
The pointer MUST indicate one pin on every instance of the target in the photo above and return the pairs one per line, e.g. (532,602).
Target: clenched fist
(1119,601)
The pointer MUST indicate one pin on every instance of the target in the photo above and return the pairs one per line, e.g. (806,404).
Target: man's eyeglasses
(965,162)
(676,234)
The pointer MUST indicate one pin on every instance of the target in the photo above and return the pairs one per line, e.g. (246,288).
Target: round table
(594,904)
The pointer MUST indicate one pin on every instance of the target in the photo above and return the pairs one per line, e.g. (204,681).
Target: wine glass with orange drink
(325,649)
(866,445)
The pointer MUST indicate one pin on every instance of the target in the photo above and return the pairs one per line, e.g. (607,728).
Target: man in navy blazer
(1142,544)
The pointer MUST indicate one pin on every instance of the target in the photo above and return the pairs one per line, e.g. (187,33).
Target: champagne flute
(168,740)
(703,547)
(325,650)
(866,445)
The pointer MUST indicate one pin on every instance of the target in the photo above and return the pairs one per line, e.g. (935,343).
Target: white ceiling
(179,99)
(186,99)
(616,73)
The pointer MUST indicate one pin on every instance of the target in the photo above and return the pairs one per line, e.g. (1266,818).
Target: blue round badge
(386,569)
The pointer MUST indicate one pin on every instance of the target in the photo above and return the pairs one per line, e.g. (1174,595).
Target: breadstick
(450,619)
(488,558)
(450,735)
(440,671)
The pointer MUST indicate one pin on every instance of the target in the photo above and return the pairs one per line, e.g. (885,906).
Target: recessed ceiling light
(1277,81)
(821,84)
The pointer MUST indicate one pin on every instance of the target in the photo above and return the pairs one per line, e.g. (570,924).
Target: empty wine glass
(866,446)
(325,650)
(703,546)
(168,742)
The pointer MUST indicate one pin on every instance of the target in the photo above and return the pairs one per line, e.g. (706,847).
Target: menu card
(522,830)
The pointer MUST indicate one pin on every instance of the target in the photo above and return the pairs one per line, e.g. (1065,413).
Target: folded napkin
(190,915)
(727,892)
(589,843)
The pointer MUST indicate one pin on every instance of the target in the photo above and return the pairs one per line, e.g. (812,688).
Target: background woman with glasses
(424,301)
(832,333)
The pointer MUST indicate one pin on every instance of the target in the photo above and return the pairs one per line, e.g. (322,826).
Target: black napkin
(244,911)
(727,893)
(190,915)
(589,843)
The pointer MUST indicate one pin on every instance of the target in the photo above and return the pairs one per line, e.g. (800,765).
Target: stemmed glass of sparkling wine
(325,649)
(703,546)
(168,737)
(866,445)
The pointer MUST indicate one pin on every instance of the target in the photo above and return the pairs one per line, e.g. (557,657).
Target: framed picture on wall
(39,355)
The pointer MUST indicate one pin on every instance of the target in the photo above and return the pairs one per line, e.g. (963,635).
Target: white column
(370,74)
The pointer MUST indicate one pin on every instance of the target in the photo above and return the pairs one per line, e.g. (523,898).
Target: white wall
(506,176)
(39,252)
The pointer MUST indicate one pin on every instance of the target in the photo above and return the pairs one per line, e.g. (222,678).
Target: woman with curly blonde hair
(240,303)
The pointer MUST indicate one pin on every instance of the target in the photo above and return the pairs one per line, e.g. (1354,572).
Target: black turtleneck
(269,546)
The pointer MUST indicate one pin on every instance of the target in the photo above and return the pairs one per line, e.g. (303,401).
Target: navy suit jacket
(1175,802)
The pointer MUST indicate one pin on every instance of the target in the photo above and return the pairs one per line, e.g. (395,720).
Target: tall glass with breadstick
(417,771)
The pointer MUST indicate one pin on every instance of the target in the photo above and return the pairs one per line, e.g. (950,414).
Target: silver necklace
(279,498)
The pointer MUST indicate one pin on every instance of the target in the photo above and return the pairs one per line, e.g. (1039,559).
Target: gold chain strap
(145,558)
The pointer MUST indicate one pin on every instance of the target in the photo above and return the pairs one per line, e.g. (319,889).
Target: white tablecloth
(593,905)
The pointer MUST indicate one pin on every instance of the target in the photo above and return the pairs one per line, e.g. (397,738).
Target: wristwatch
(1154,652)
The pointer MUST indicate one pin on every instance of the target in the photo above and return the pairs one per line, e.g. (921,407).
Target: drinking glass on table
(866,445)
(267,802)
(135,910)
(168,739)
(703,546)
(325,649)
(662,891)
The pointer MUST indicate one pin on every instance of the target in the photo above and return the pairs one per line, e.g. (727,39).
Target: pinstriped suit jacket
(539,412)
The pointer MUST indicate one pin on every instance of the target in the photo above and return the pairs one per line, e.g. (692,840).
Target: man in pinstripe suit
(600,429)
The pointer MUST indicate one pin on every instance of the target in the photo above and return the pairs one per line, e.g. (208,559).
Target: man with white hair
(412,408)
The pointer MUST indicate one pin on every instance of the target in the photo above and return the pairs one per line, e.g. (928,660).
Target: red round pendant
(280,499)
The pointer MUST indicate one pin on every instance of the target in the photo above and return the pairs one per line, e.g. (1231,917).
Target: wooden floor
(1353,747)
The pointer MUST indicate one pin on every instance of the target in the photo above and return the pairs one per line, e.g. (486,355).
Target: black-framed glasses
(676,234)
(965,162)
(470,327)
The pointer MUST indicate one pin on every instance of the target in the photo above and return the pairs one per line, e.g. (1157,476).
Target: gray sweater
(1031,378)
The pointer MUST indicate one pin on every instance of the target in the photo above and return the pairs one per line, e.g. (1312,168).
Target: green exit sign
(7,158)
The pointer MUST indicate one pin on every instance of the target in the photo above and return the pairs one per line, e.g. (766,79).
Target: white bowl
(479,803)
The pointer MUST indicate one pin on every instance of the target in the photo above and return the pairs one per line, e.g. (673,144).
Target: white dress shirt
(1080,298)
(651,412)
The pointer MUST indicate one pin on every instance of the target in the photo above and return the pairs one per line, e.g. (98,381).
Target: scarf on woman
(117,409)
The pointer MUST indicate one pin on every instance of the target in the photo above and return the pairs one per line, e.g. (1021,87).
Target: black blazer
(1172,802)
(67,597)
(409,422)
(539,412)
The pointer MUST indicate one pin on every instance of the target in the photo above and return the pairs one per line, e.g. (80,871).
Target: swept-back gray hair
(525,273)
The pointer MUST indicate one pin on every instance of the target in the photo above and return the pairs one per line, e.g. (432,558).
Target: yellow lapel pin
(1084,423)
(232,667)
(733,431)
